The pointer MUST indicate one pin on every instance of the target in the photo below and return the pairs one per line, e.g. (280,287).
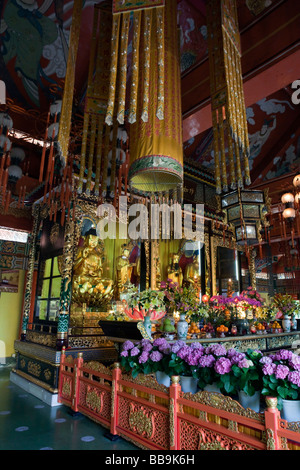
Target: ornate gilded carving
(141,421)
(34,368)
(222,402)
(210,440)
(66,387)
(94,399)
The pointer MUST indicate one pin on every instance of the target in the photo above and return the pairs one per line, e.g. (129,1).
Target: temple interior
(149,191)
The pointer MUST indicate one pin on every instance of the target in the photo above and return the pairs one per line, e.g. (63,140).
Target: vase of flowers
(248,379)
(281,379)
(183,362)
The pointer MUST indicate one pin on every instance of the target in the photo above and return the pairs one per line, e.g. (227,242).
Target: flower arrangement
(246,373)
(281,375)
(284,304)
(148,302)
(251,293)
(145,357)
(181,299)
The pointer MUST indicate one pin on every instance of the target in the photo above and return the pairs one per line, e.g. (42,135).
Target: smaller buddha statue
(174,270)
(124,269)
(192,274)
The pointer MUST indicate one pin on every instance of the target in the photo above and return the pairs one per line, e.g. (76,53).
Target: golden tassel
(135,66)
(161,68)
(123,67)
(91,154)
(113,69)
(113,159)
(147,54)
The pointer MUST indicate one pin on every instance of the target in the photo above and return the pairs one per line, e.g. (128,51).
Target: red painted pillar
(76,383)
(272,417)
(115,399)
(173,410)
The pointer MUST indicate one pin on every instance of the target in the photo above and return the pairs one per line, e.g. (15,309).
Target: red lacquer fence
(158,418)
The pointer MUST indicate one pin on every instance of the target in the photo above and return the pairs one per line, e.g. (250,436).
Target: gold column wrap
(227,94)
(156,154)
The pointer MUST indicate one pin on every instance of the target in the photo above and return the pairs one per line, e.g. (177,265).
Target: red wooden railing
(158,418)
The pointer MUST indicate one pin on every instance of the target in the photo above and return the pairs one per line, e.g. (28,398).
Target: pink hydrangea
(222,365)
(281,371)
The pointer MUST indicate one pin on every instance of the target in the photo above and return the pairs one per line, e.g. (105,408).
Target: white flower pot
(162,378)
(212,388)
(250,402)
(290,410)
(188,384)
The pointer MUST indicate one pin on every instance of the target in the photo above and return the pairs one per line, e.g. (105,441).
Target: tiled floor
(26,423)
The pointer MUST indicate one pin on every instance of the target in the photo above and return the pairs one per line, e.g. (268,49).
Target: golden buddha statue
(124,269)
(89,286)
(192,274)
(174,270)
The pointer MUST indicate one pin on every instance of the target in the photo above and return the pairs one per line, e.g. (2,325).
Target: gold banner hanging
(67,101)
(227,95)
(156,155)
(123,68)
(96,102)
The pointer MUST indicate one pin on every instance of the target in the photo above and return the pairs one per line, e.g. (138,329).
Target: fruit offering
(260,328)
(276,326)
(222,330)
(194,329)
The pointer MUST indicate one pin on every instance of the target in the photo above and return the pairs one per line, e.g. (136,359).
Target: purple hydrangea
(183,352)
(193,358)
(128,345)
(294,362)
(207,360)
(238,357)
(294,377)
(222,365)
(283,355)
(147,347)
(177,346)
(144,357)
(156,356)
(124,353)
(134,351)
(197,346)
(281,372)
(266,360)
(269,369)
(245,363)
(159,342)
(217,350)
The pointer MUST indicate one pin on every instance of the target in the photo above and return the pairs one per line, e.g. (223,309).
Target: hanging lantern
(156,155)
(287,198)
(17,155)
(14,173)
(246,211)
(289,214)
(296,182)
(6,122)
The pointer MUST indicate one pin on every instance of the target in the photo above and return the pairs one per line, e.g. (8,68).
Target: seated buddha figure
(87,269)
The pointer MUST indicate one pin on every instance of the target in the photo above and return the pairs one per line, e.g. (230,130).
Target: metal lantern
(245,210)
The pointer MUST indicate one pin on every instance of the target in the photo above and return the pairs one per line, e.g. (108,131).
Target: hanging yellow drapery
(154,95)
(227,96)
(67,101)
(93,156)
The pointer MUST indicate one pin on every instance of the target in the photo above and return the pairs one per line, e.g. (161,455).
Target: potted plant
(145,357)
(183,362)
(281,379)
(248,383)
